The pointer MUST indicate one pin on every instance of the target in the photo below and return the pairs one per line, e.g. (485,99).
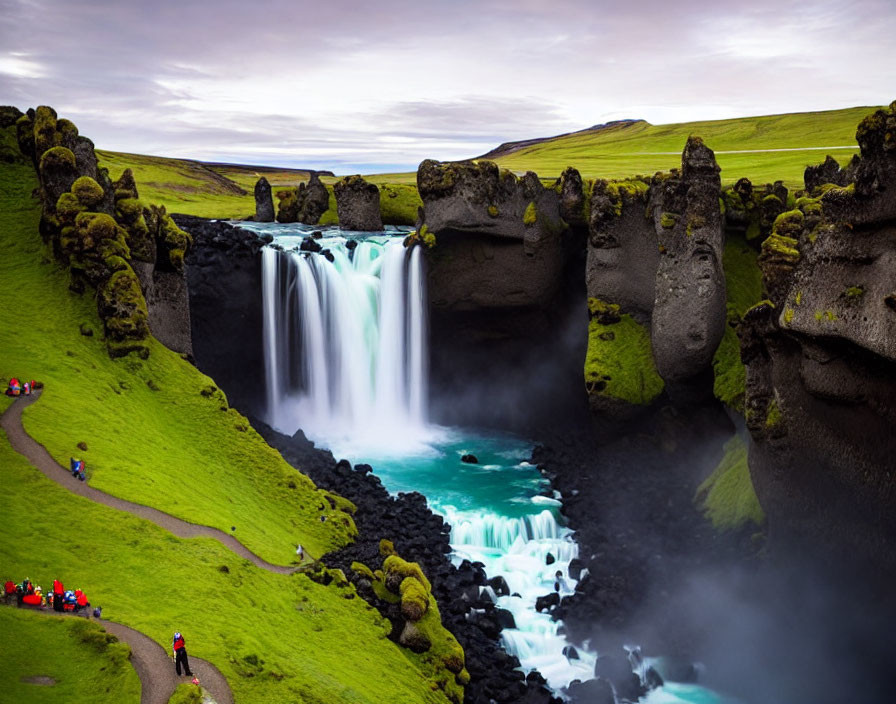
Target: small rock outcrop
(820,357)
(305,204)
(358,204)
(264,201)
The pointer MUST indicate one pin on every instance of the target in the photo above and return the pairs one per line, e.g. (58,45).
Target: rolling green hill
(763,149)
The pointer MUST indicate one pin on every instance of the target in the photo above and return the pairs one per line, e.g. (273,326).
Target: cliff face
(224,280)
(820,357)
(500,276)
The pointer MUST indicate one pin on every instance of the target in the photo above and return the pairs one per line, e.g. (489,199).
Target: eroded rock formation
(305,204)
(821,363)
(264,201)
(358,204)
(99,229)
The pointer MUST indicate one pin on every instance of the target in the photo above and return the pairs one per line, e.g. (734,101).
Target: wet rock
(591,692)
(549,559)
(504,618)
(652,678)
(264,201)
(309,244)
(617,670)
(547,601)
(570,652)
(499,584)
(469,459)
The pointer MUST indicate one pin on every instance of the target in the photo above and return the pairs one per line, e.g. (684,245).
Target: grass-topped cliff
(158,432)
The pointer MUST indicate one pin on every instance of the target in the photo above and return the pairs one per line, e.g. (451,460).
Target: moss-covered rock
(414,599)
(169,238)
(619,362)
(44,129)
(88,192)
(122,307)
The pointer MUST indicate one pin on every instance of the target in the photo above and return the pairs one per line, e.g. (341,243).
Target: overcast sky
(381,84)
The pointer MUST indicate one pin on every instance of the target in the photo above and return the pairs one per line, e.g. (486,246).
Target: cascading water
(344,342)
(345,360)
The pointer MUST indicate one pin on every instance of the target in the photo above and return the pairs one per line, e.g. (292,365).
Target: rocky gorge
(631,327)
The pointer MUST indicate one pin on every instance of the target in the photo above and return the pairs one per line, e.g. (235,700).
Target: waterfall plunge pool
(345,342)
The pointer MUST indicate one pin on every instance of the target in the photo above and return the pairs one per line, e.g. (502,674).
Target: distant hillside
(511,147)
(767,148)
(199,188)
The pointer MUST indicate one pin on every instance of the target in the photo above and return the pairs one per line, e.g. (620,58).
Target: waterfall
(345,348)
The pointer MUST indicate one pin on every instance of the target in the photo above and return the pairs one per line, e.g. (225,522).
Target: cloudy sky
(379,85)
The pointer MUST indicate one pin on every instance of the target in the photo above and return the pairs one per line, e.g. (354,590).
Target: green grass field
(71,651)
(277,638)
(152,437)
(642,148)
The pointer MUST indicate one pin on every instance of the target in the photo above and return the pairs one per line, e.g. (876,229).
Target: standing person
(58,595)
(180,655)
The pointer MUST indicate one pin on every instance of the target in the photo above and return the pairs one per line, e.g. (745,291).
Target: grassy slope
(637,149)
(310,642)
(727,495)
(173,448)
(743,288)
(212,190)
(86,670)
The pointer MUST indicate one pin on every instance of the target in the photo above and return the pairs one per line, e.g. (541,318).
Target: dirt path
(154,667)
(158,678)
(37,455)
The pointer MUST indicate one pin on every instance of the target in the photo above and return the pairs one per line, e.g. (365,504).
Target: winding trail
(37,455)
(152,663)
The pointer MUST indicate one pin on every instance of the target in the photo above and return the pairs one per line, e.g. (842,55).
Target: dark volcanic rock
(419,536)
(314,200)
(469,459)
(591,692)
(689,312)
(821,367)
(828,171)
(264,201)
(224,281)
(358,204)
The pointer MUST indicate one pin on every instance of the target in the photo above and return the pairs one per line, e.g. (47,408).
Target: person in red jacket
(180,655)
(81,600)
(58,594)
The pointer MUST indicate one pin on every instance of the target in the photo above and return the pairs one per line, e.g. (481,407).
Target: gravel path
(153,664)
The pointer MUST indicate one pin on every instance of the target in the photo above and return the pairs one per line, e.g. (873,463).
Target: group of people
(60,599)
(17,388)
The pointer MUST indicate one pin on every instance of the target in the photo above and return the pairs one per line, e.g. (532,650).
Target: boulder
(546,602)
(689,312)
(358,204)
(264,201)
(828,171)
(414,639)
(469,459)
(314,200)
(597,691)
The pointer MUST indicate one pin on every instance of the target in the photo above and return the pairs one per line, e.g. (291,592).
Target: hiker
(58,595)
(9,590)
(26,389)
(81,600)
(98,612)
(180,655)
(14,388)
(69,600)
(78,468)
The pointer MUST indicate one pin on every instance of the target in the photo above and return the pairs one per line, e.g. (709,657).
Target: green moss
(668,220)
(397,569)
(798,299)
(57,157)
(363,570)
(45,136)
(781,246)
(129,209)
(727,496)
(789,224)
(386,548)
(743,288)
(619,362)
(414,599)
(122,307)
(187,693)
(493,211)
(530,217)
(773,415)
(68,207)
(788,316)
(825,315)
(854,292)
(88,192)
